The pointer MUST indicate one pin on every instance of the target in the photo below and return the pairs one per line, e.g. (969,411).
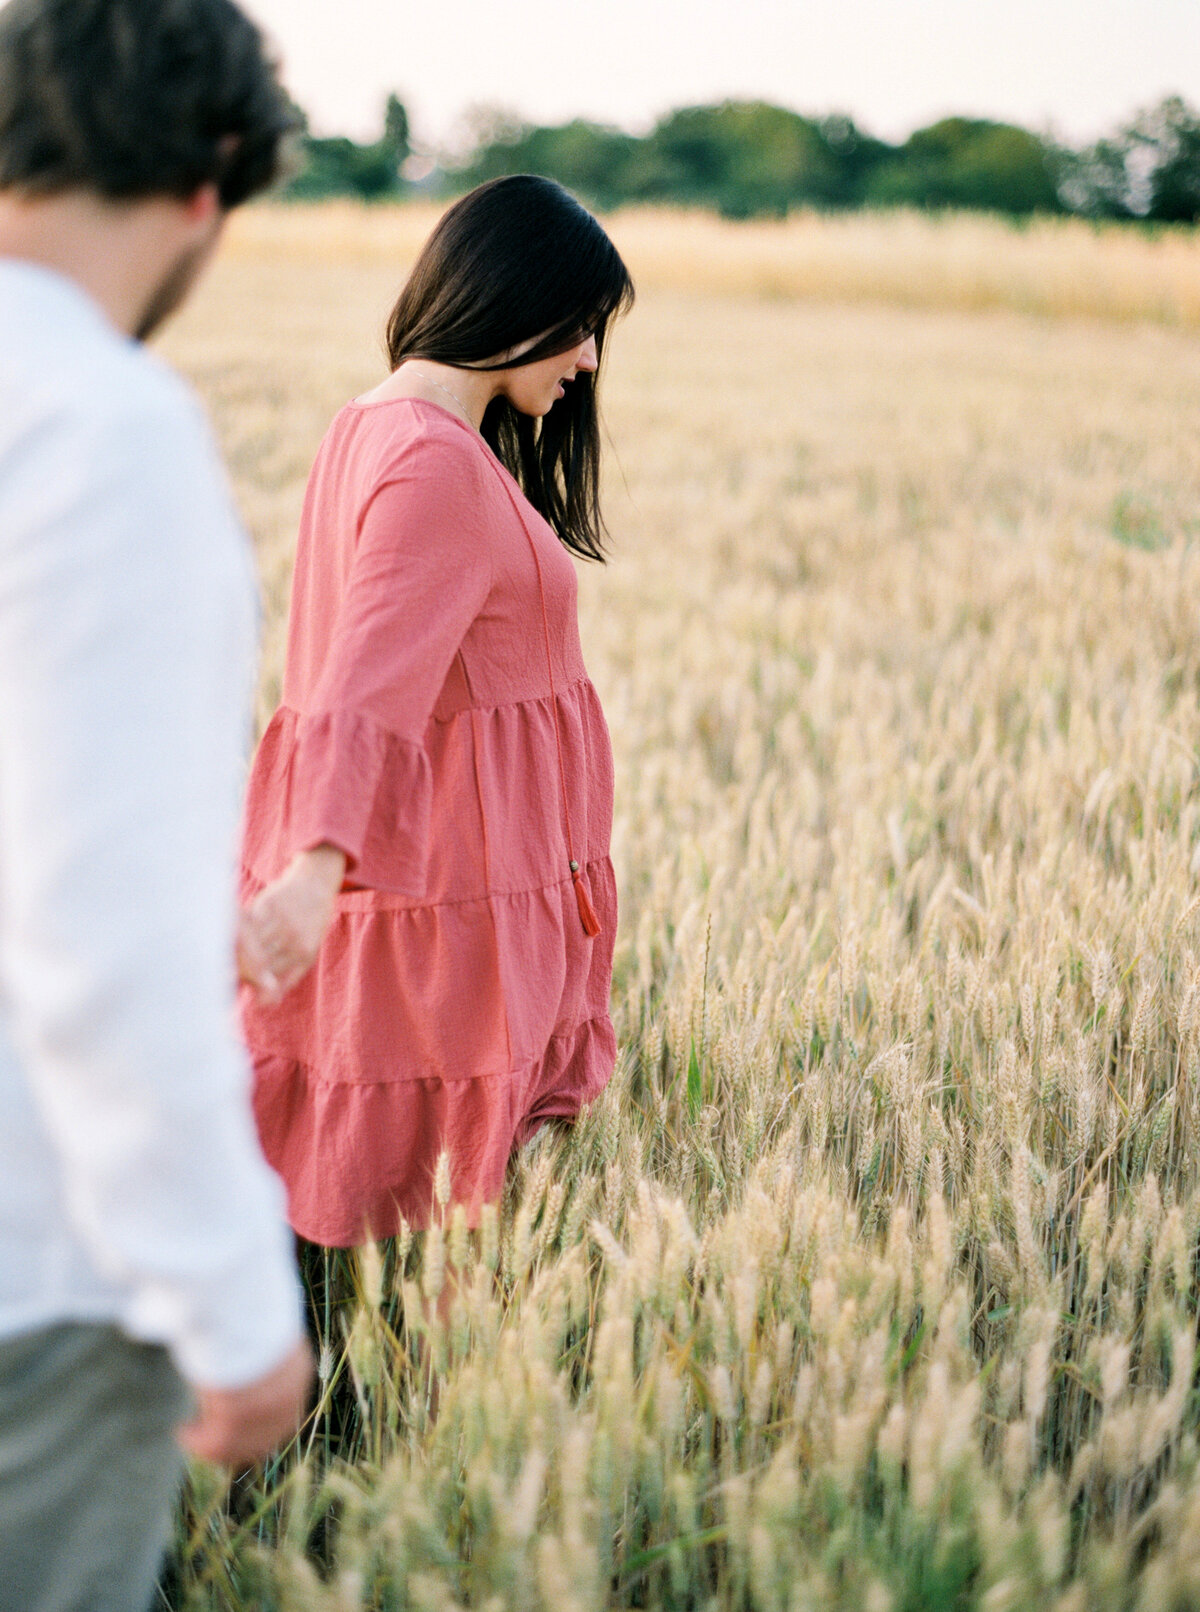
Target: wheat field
(871,1281)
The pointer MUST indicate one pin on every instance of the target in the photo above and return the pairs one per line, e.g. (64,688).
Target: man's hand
(235,1426)
(283,927)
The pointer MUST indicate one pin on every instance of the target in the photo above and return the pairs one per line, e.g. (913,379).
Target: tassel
(587,913)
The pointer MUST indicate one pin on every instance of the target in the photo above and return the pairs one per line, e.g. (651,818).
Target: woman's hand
(252,966)
(282,929)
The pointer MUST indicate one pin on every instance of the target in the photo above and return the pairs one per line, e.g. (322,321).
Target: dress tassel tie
(587,913)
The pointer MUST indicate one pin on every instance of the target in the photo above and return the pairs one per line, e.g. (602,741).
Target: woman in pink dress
(426,866)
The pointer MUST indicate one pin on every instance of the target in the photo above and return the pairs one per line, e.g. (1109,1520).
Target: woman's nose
(587,355)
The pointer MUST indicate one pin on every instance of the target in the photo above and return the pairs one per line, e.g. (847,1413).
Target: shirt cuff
(232,1331)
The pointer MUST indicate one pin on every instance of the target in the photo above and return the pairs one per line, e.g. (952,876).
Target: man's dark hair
(137,98)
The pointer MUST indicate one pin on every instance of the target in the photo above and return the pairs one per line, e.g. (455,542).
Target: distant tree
(751,159)
(337,166)
(973,163)
(859,155)
(1148,169)
(591,159)
(396,131)
(1165,144)
(744,158)
(1095,182)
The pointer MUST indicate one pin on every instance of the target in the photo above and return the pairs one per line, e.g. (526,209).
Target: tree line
(750,159)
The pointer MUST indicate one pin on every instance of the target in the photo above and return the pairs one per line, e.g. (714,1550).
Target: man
(142,1248)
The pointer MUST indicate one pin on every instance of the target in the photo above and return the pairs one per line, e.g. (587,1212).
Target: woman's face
(535,388)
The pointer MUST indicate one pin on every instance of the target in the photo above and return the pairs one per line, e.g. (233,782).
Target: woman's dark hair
(519,260)
(137,98)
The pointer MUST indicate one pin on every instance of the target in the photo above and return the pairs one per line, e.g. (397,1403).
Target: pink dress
(438,726)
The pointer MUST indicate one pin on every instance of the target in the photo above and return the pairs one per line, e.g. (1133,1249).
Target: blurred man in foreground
(142,1249)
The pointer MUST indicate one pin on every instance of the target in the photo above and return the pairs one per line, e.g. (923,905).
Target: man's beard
(172,289)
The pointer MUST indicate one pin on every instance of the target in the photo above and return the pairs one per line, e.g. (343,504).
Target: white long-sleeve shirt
(131,1184)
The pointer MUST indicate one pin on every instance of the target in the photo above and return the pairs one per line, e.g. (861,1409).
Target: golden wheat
(914,260)
(871,1281)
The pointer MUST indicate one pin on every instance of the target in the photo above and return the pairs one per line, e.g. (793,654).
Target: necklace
(453,396)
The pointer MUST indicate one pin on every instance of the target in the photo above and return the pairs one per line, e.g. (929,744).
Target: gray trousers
(89,1469)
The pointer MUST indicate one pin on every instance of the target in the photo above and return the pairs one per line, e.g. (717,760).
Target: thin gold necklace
(453,396)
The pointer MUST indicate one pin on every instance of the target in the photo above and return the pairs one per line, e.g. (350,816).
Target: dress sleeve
(351,769)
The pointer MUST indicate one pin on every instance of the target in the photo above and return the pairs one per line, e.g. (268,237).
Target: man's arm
(124,664)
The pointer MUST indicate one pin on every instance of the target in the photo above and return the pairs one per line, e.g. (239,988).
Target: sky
(1075,67)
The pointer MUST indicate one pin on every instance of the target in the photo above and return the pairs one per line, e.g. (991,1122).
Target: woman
(427,824)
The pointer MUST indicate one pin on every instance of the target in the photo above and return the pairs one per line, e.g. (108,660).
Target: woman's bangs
(611,298)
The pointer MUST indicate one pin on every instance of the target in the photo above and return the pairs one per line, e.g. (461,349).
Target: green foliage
(1149,169)
(742,158)
(337,166)
(595,162)
(969,163)
(745,159)
(749,159)
(1167,140)
(1094,182)
(396,131)
(695,1082)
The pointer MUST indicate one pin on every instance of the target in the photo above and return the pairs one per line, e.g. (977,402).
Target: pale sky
(1076,66)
